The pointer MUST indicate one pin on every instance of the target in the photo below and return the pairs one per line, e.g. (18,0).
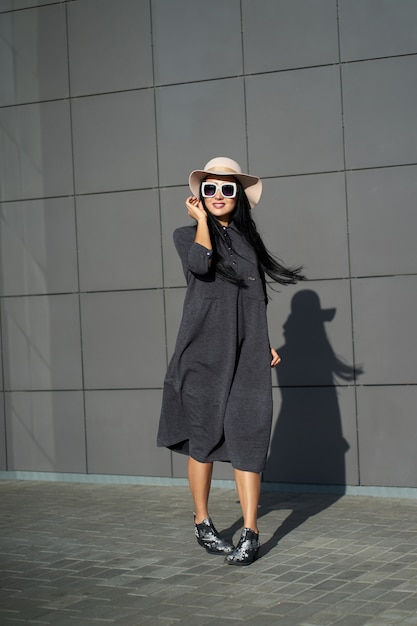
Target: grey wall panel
(383,221)
(313,436)
(302,220)
(173,215)
(310,326)
(114,142)
(45,431)
(384,315)
(289,134)
(10,5)
(41,345)
(35,151)
(3,458)
(288,33)
(371,28)
(33,55)
(380,100)
(121,433)
(387,435)
(174,302)
(123,339)
(110,45)
(191,131)
(38,247)
(210,36)
(119,241)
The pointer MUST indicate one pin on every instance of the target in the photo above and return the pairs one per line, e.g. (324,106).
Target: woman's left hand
(275,358)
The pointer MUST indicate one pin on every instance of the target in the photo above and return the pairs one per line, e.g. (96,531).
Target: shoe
(208,537)
(246,550)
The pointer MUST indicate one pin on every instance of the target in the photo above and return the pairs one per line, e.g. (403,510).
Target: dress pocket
(253,288)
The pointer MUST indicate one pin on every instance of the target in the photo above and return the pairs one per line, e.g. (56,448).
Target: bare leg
(248,486)
(199,478)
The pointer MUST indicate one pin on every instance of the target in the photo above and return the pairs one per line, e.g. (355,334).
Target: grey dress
(217,399)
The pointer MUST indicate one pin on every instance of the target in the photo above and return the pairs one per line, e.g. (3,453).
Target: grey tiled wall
(105,108)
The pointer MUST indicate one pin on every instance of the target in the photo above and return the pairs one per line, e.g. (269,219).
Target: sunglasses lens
(209,190)
(228,191)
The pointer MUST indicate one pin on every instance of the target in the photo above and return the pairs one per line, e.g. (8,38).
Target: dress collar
(231,226)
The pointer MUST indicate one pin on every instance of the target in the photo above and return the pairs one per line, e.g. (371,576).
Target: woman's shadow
(307,445)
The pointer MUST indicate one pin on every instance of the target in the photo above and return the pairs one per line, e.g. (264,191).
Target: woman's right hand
(195,208)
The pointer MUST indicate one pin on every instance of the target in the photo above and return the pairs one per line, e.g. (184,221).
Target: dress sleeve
(195,258)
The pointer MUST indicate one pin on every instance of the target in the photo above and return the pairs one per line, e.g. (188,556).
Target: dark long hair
(267,263)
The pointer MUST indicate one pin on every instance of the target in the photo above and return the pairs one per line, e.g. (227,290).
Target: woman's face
(218,205)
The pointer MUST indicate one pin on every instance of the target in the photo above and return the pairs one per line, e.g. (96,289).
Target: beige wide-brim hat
(223,166)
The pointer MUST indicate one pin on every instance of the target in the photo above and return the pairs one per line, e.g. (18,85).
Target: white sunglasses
(209,190)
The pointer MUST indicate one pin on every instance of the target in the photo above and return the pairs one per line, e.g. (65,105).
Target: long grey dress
(217,400)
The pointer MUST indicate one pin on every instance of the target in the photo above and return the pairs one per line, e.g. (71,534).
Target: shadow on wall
(307,445)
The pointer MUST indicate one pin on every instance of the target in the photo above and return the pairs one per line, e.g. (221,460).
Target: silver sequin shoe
(208,537)
(246,550)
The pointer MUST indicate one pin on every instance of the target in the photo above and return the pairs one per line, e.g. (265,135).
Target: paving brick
(95,554)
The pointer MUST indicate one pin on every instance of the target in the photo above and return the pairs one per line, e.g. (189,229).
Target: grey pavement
(95,554)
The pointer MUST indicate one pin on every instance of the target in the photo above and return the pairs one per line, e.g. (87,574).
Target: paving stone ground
(95,554)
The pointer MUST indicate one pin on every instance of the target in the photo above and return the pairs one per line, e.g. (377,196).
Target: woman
(217,401)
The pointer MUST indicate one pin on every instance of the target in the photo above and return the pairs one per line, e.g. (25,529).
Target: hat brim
(252,185)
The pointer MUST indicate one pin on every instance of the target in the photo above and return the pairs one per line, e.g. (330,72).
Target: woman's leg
(248,486)
(199,479)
